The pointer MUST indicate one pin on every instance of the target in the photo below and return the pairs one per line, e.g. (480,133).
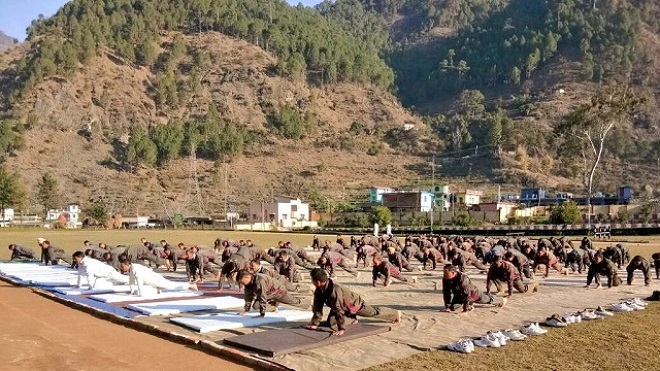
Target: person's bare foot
(503,303)
(398,317)
(193,287)
(354,322)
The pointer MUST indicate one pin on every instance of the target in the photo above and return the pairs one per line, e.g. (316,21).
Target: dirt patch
(39,334)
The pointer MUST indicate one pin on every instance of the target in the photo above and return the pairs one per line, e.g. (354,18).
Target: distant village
(437,207)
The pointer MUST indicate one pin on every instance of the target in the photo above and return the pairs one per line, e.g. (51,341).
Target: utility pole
(226,177)
(432,190)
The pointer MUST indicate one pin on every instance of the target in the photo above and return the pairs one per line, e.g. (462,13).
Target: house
(469,197)
(442,197)
(421,201)
(285,212)
(532,195)
(624,194)
(68,217)
(376,194)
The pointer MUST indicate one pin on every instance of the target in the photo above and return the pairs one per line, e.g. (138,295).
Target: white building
(69,216)
(285,212)
(8,217)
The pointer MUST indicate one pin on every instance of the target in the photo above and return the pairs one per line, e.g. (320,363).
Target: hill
(170,107)
(6,42)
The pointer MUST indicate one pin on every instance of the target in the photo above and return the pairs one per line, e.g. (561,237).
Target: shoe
(569,318)
(533,329)
(639,301)
(602,312)
(462,346)
(500,337)
(555,321)
(654,297)
(589,315)
(488,341)
(621,307)
(634,306)
(514,335)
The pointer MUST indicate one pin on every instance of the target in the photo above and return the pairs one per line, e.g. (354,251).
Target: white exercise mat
(55,283)
(119,298)
(226,321)
(86,291)
(166,308)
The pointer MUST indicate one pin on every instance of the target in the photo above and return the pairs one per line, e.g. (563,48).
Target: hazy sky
(16,15)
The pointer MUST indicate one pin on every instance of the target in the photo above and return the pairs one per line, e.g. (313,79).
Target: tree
(593,122)
(168,140)
(48,192)
(566,213)
(141,150)
(147,54)
(381,215)
(515,76)
(98,211)
(12,193)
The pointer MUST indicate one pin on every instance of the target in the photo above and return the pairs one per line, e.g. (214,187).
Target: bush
(375,149)
(462,220)
(293,125)
(381,215)
(566,213)
(623,216)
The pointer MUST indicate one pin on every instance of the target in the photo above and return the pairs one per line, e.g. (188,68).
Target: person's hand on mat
(338,333)
(311,327)
(245,313)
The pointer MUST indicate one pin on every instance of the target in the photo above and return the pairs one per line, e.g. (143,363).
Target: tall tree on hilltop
(48,192)
(12,193)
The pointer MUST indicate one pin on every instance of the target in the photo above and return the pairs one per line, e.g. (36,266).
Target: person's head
(143,240)
(167,251)
(377,258)
(190,254)
(163,243)
(637,260)
(40,241)
(106,256)
(46,243)
(508,256)
(449,271)
(124,264)
(598,257)
(283,255)
(86,243)
(323,260)
(89,252)
(497,260)
(426,249)
(78,257)
(319,277)
(249,243)
(12,246)
(280,244)
(229,268)
(216,243)
(103,245)
(254,265)
(542,251)
(391,250)
(241,243)
(288,244)
(244,277)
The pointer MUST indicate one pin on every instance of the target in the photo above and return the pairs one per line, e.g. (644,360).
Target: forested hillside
(181,98)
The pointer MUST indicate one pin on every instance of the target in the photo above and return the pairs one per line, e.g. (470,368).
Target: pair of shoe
(462,346)
(514,335)
(638,302)
(533,329)
(600,311)
(492,340)
(556,321)
(629,306)
(570,318)
(589,315)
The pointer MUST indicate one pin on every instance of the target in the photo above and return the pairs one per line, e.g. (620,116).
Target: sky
(16,15)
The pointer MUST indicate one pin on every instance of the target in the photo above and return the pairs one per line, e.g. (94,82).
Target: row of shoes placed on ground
(568,318)
(496,339)
(493,339)
(629,305)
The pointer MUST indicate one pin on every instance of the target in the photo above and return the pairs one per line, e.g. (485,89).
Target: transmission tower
(194,191)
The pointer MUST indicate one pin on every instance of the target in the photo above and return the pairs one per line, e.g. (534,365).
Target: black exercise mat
(273,343)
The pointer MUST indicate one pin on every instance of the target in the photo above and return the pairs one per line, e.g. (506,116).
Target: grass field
(72,240)
(626,341)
